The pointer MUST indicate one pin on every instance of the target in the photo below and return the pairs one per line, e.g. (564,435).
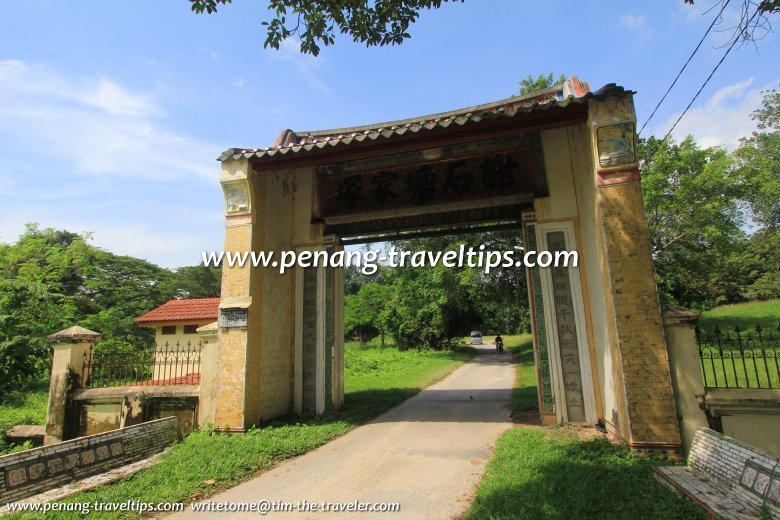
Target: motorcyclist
(500,343)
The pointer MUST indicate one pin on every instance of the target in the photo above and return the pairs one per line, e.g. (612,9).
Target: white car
(476,337)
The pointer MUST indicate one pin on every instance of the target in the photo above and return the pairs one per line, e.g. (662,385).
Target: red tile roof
(182,310)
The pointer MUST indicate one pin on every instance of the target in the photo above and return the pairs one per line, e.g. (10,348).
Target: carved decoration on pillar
(613,126)
(612,110)
(236,197)
(615,144)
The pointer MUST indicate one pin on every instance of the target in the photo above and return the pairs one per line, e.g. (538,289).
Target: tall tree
(386,22)
(196,281)
(758,158)
(366,309)
(430,305)
(28,311)
(122,288)
(692,203)
(316,22)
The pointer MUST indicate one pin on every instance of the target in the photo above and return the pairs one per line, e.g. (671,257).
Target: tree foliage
(52,279)
(541,82)
(316,22)
(700,206)
(430,305)
(758,159)
(386,22)
(753,19)
(692,203)
(364,311)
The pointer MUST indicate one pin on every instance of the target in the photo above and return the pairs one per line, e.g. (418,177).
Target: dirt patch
(587,433)
(527,417)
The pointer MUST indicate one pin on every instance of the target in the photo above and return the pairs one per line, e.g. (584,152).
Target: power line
(736,40)
(685,65)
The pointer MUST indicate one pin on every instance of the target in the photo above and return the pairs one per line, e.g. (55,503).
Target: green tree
(122,288)
(57,259)
(758,159)
(354,278)
(316,22)
(51,279)
(541,82)
(386,22)
(692,202)
(197,281)
(28,311)
(366,309)
(433,304)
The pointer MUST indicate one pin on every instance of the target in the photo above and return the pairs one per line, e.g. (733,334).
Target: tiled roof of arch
(572,91)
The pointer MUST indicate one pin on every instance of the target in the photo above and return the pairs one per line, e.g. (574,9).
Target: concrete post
(685,369)
(208,335)
(70,347)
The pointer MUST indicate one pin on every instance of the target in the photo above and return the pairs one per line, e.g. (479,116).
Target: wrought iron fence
(155,365)
(740,358)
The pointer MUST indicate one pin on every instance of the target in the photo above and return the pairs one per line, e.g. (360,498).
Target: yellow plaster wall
(758,430)
(232,353)
(304,233)
(591,266)
(572,197)
(180,337)
(645,366)
(561,202)
(276,337)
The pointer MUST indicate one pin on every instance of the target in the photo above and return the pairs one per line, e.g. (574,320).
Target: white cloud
(91,154)
(638,26)
(238,82)
(723,119)
(306,65)
(96,126)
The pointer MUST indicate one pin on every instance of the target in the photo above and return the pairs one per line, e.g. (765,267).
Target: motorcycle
(500,346)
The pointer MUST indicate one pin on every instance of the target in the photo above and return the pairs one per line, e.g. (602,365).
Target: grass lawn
(749,369)
(746,315)
(375,379)
(22,407)
(524,395)
(548,472)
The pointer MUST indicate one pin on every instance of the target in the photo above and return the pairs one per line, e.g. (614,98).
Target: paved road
(427,454)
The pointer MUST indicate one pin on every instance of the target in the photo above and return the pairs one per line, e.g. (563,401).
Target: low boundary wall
(30,472)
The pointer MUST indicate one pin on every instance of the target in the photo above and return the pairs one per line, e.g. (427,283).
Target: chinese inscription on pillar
(548,400)
(567,333)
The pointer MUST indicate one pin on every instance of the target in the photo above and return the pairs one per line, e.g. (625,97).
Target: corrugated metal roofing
(573,91)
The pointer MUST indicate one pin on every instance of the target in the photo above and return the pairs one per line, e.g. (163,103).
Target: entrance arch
(559,163)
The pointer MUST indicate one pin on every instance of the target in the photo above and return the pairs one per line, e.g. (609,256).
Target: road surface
(427,454)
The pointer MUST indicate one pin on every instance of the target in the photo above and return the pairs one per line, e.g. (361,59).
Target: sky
(112,114)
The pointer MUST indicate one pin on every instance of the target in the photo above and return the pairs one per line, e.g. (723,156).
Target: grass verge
(376,379)
(524,394)
(26,406)
(725,364)
(549,473)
